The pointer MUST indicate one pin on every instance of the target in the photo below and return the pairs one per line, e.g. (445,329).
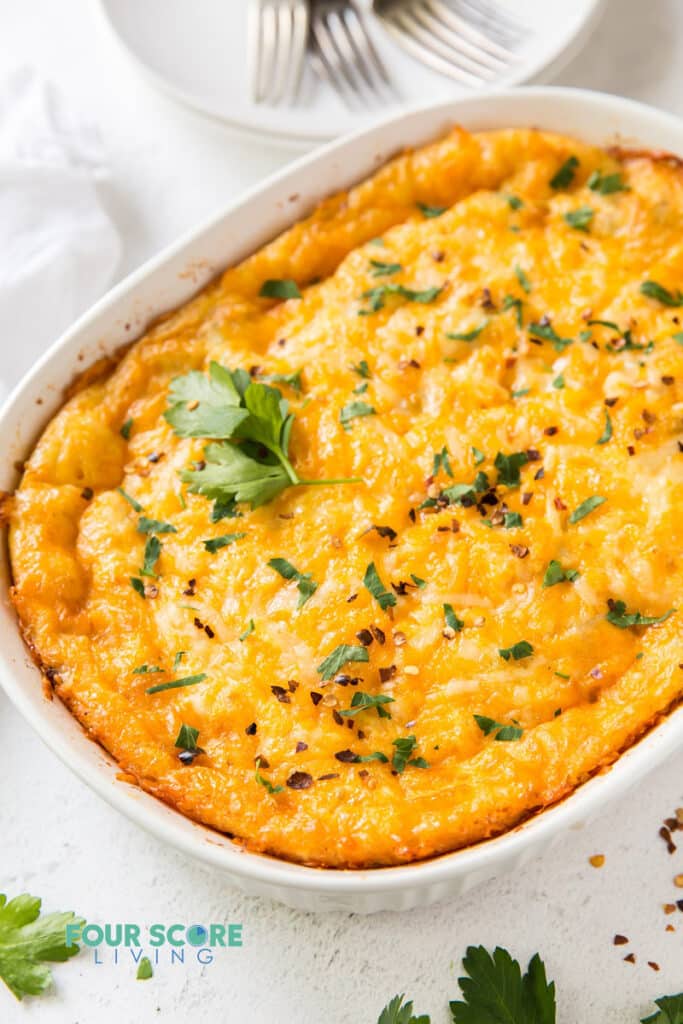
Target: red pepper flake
(630,958)
(261,762)
(191,584)
(597,860)
(300,747)
(281,694)
(292,685)
(419,330)
(209,632)
(526,497)
(364,636)
(353,597)
(533,455)
(620,940)
(679,904)
(665,833)
(486,300)
(198,622)
(551,431)
(519,550)
(669,908)
(648,417)
(251,729)
(346,756)
(653,965)
(300,780)
(330,775)
(611,402)
(387,673)
(382,531)
(668,380)
(316,697)
(87,493)
(438,256)
(559,505)
(378,634)
(631,450)
(337,717)
(669,928)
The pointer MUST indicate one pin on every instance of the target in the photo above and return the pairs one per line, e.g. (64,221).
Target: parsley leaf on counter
(28,940)
(372,582)
(670,1011)
(495,991)
(501,731)
(565,175)
(618,616)
(398,1012)
(306,585)
(228,406)
(279,288)
(522,649)
(556,574)
(339,657)
(364,701)
(145,970)
(653,290)
(586,507)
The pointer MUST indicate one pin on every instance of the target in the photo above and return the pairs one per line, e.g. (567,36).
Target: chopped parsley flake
(558,383)
(607,432)
(143,670)
(373,583)
(618,616)
(508,467)
(404,747)
(545,332)
(431,211)
(187,740)
(365,701)
(126,428)
(565,175)
(306,585)
(452,620)
(216,543)
(380,269)
(523,279)
(586,507)
(138,586)
(503,733)
(556,574)
(145,970)
(131,501)
(512,520)
(418,581)
(151,556)
(653,290)
(378,295)
(263,781)
(146,525)
(279,288)
(510,302)
(341,656)
(522,649)
(580,219)
(514,202)
(468,335)
(354,411)
(478,456)
(441,461)
(292,380)
(362,369)
(606,184)
(248,631)
(175,684)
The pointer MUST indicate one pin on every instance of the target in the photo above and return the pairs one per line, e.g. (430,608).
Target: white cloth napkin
(58,247)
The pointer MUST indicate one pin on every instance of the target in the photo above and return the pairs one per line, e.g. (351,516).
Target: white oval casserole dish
(166,282)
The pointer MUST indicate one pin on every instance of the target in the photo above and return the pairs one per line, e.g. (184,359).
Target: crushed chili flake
(551,431)
(316,697)
(191,584)
(400,639)
(352,598)
(337,717)
(533,455)
(620,940)
(300,747)
(597,860)
(631,450)
(653,965)
(300,780)
(519,550)
(678,881)
(526,497)
(346,756)
(330,775)
(292,685)
(387,673)
(611,402)
(539,474)
(668,380)
(364,636)
(669,908)
(630,958)
(209,632)
(559,505)
(665,833)
(378,634)
(261,761)
(87,493)
(281,694)
(251,729)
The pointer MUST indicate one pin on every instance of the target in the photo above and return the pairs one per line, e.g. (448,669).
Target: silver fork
(449,39)
(343,53)
(278,34)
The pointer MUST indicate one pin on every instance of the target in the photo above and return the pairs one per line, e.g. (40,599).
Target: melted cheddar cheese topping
(501,325)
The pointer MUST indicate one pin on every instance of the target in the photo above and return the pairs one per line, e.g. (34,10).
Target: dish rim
(643,125)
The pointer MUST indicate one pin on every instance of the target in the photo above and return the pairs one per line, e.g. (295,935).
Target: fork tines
(278,35)
(344,54)
(448,39)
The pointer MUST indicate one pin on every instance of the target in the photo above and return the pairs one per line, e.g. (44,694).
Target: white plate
(196,51)
(169,280)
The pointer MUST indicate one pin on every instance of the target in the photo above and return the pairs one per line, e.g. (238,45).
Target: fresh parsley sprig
(29,940)
(226,407)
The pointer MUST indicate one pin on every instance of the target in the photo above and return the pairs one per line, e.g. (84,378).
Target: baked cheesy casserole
(375,547)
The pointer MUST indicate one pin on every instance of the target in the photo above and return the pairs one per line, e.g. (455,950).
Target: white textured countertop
(170,169)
